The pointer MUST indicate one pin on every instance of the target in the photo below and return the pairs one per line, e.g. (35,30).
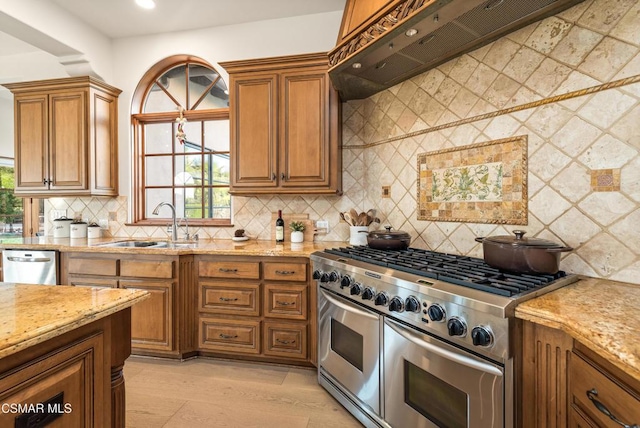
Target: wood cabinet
(257,308)
(162,325)
(71,380)
(562,380)
(285,126)
(357,13)
(65,137)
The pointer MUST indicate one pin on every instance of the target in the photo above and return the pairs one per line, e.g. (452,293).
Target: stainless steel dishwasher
(30,267)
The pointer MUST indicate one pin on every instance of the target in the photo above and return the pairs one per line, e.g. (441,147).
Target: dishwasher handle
(29,259)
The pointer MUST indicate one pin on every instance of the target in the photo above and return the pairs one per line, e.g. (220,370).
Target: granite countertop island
(31,314)
(601,314)
(62,353)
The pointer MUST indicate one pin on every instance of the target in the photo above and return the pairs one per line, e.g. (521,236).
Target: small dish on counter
(240,238)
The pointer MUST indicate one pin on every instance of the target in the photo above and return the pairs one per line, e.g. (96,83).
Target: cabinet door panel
(152,319)
(32,141)
(146,268)
(104,156)
(253,132)
(93,266)
(304,157)
(83,281)
(229,269)
(68,143)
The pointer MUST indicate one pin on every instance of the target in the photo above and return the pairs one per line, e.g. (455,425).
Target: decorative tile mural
(482,183)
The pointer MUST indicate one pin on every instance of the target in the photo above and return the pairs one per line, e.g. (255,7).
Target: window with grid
(191,172)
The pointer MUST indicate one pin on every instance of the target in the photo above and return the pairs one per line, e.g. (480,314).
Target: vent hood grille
(446,29)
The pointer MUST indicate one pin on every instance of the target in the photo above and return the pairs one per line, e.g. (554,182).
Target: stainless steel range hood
(383,54)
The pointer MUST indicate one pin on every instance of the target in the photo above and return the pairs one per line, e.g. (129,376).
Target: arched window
(186,165)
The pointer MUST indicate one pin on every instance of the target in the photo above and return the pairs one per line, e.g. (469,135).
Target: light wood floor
(213,393)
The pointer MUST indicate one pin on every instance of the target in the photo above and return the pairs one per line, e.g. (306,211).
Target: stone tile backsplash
(516,85)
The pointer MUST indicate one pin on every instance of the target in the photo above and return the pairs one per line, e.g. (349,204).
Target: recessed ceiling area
(123,18)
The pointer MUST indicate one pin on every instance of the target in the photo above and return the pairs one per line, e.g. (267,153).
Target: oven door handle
(452,356)
(347,307)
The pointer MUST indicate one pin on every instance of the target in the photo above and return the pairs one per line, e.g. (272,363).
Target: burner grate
(466,271)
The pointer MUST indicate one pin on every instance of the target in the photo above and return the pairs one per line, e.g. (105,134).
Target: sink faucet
(174,225)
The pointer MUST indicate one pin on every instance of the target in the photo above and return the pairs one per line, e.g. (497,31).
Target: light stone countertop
(31,314)
(601,314)
(251,247)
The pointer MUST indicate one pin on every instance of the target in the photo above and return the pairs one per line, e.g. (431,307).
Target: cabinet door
(253,116)
(288,340)
(68,140)
(304,129)
(152,319)
(32,142)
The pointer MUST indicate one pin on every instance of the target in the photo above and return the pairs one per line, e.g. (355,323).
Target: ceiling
(122,18)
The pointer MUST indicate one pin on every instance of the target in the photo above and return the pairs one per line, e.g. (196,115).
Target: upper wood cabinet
(65,137)
(285,126)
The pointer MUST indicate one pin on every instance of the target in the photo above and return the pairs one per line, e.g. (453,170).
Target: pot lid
(78,222)
(520,241)
(389,234)
(63,219)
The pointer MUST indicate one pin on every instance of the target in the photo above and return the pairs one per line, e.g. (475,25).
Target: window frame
(140,119)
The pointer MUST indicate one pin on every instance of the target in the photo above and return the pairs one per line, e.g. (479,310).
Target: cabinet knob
(282,176)
(273,176)
(592,394)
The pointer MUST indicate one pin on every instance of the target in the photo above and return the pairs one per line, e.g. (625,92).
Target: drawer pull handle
(228,299)
(285,272)
(279,303)
(592,394)
(228,270)
(228,336)
(285,342)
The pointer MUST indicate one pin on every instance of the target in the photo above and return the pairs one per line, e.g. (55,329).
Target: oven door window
(347,343)
(435,399)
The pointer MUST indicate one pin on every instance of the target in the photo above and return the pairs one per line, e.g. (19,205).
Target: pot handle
(480,239)
(559,249)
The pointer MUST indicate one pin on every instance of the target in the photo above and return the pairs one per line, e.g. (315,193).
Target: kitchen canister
(61,227)
(358,235)
(94,231)
(78,229)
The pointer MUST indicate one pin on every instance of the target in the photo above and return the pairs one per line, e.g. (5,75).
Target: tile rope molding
(533,104)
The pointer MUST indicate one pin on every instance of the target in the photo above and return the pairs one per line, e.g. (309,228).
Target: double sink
(148,244)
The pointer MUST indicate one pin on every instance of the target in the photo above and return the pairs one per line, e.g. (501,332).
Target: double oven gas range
(416,338)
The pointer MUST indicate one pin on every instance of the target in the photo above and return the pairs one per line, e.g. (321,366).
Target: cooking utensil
(388,239)
(362,219)
(520,254)
(354,216)
(349,219)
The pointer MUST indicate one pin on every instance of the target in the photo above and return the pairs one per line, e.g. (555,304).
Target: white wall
(135,55)
(6,128)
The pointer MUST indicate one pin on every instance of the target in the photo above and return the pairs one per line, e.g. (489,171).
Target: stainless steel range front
(416,338)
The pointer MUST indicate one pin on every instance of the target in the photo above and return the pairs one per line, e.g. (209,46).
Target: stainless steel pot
(388,239)
(523,255)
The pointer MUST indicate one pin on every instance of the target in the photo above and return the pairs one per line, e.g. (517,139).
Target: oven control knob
(317,274)
(481,336)
(396,305)
(333,276)
(436,312)
(356,289)
(456,327)
(345,281)
(368,293)
(412,304)
(324,278)
(382,299)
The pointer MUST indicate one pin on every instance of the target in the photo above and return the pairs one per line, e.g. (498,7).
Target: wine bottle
(279,228)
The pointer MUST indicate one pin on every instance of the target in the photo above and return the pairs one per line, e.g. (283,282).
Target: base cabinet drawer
(232,270)
(229,335)
(577,420)
(288,340)
(285,301)
(229,298)
(596,394)
(82,281)
(285,271)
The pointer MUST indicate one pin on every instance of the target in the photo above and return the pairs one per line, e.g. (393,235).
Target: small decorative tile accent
(386,191)
(480,183)
(605,180)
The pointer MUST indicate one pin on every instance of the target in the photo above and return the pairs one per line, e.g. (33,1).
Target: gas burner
(465,271)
